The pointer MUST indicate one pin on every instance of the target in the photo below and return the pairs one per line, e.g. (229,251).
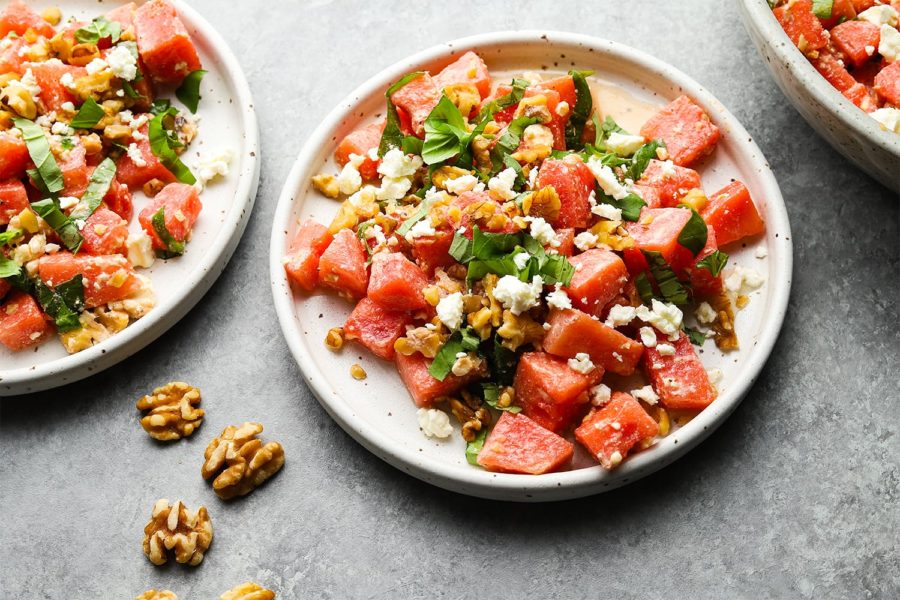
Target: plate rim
(476,482)
(171,310)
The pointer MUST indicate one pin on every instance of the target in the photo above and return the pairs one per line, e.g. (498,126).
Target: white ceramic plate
(227,121)
(378,411)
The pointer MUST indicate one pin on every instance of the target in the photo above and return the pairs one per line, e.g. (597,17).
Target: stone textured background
(797,495)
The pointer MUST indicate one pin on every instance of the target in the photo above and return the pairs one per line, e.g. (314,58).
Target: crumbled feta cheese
(60,128)
(562,108)
(96,65)
(741,280)
(668,169)
(209,166)
(140,249)
(606,178)
(600,394)
(542,231)
(870,50)
(349,180)
(516,295)
(761,251)
(537,135)
(581,363)
(502,184)
(882,14)
(67,81)
(585,240)
(620,315)
(67,107)
(122,63)
(375,232)
(395,164)
(888,117)
(559,299)
(422,228)
(67,202)
(648,336)
(665,349)
(665,317)
(134,153)
(138,121)
(434,422)
(646,394)
(393,189)
(521,259)
(532,177)
(607,211)
(715,376)
(705,313)
(450,310)
(624,144)
(889,45)
(463,184)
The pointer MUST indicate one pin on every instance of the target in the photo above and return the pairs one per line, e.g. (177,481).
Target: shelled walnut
(240,461)
(248,591)
(173,411)
(157,595)
(176,528)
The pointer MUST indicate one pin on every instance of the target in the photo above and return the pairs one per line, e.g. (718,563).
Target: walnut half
(176,528)
(248,591)
(173,412)
(239,460)
(157,595)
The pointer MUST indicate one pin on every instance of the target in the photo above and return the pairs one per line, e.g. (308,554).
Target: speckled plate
(848,129)
(378,412)
(227,121)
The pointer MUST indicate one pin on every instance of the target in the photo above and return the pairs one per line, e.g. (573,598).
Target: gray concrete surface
(796,496)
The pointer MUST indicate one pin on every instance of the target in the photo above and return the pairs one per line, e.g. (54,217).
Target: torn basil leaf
(63,304)
(630,205)
(99,29)
(491,392)
(714,263)
(509,141)
(644,287)
(8,267)
(823,8)
(603,130)
(697,337)
(670,289)
(163,144)
(11,234)
(88,115)
(446,133)
(392,137)
(97,189)
(641,159)
(473,448)
(65,227)
(502,361)
(173,247)
(189,90)
(46,173)
(462,340)
(510,163)
(411,145)
(581,112)
(694,233)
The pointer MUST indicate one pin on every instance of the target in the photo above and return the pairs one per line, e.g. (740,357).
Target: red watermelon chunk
(572,332)
(657,230)
(801,25)
(599,276)
(517,444)
(18,18)
(467,69)
(124,15)
(861,96)
(564,86)
(106,278)
(49,76)
(680,380)
(670,182)
(396,283)
(612,431)
(702,281)
(573,182)
(376,328)
(119,200)
(10,60)
(343,265)
(416,99)
(549,391)
(731,212)
(14,158)
(360,142)
(163,43)
(841,10)
(432,251)
(73,165)
(13,199)
(424,388)
(104,232)
(566,239)
(852,38)
(833,70)
(887,83)
(302,260)
(685,128)
(181,204)
(135,174)
(22,323)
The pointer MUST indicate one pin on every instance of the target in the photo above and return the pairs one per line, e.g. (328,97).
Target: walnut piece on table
(248,591)
(240,461)
(157,595)
(176,528)
(173,412)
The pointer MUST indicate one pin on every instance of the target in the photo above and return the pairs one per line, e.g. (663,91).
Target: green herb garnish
(392,137)
(694,233)
(65,227)
(88,115)
(641,159)
(509,141)
(670,289)
(173,247)
(64,303)
(189,90)
(462,340)
(823,8)
(697,337)
(46,175)
(473,448)
(9,235)
(446,134)
(714,263)
(581,112)
(99,29)
(163,144)
(97,189)
(9,267)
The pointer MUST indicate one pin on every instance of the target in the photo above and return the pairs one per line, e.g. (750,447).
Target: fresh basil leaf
(694,233)
(65,227)
(714,263)
(411,145)
(510,163)
(392,137)
(603,131)
(491,392)
(823,8)
(584,104)
(446,133)
(644,287)
(62,304)
(160,106)
(499,266)
(88,115)
(492,245)
(9,267)
(670,289)
(473,448)
(189,90)
(557,269)
(641,159)
(162,145)
(502,361)
(173,247)
(462,340)
(697,337)
(9,235)
(49,175)
(129,90)
(414,218)
(99,29)
(509,141)
(630,205)
(461,248)
(97,189)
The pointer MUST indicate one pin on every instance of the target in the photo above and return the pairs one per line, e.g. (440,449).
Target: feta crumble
(648,336)
(665,349)
(96,65)
(761,252)
(600,394)
(395,164)
(542,231)
(559,299)
(620,315)
(518,296)
(608,181)
(502,184)
(122,63)
(741,280)
(463,184)
(888,117)
(140,250)
(668,169)
(581,363)
(624,144)
(67,202)
(585,240)
(879,15)
(667,318)
(434,422)
(521,259)
(889,45)
(705,313)
(209,166)
(134,153)
(422,228)
(450,310)
(349,180)
(607,211)
(646,394)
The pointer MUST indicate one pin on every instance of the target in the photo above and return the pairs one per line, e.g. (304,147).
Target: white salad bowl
(849,130)
(227,122)
(378,411)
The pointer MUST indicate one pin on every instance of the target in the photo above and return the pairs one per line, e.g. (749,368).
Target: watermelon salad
(530,267)
(84,136)
(855,45)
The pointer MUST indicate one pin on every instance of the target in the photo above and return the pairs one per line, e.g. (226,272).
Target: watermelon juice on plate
(539,258)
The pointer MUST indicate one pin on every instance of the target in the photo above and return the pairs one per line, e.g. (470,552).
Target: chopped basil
(584,104)
(62,304)
(160,105)
(67,143)
(462,340)
(99,29)
(446,133)
(823,8)
(9,235)
(630,205)
(644,287)
(46,175)
(697,337)
(492,395)
(473,448)
(494,253)
(670,289)
(694,233)
(510,163)
(129,90)
(65,227)
(603,130)
(8,267)
(641,159)
(163,145)
(714,263)
(509,141)
(97,188)
(502,361)
(189,90)
(486,115)
(392,137)
(411,145)
(173,247)
(88,115)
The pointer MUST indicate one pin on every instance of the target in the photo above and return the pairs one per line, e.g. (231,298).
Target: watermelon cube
(599,276)
(10,59)
(22,323)
(852,38)
(424,388)
(376,328)
(13,199)
(612,431)
(680,380)
(887,83)
(467,69)
(119,200)
(549,391)
(396,283)
(343,265)
(573,332)
(18,18)
(670,182)
(135,174)
(657,230)
(302,260)
(685,128)
(14,157)
(517,444)
(433,251)
(164,45)
(416,99)
(833,70)
(731,212)
(104,232)
(48,76)
(76,176)
(181,204)
(573,182)
(801,25)
(106,278)
(360,142)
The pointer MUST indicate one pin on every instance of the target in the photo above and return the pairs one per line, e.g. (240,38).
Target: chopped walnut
(464,96)
(519,330)
(248,591)
(173,411)
(240,461)
(157,595)
(176,528)
(726,337)
(544,203)
(471,413)
(326,184)
(443,174)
